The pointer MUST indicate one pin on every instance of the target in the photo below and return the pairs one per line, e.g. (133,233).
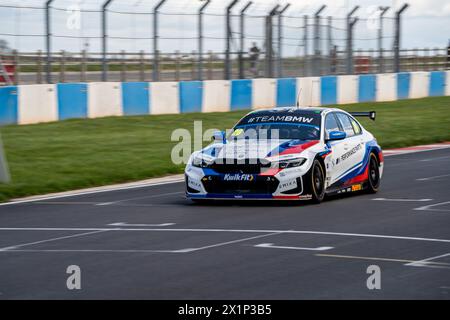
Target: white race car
(290,154)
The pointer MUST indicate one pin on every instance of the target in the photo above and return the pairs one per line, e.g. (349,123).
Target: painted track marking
(49,240)
(433,177)
(82,193)
(270,245)
(430,207)
(347,234)
(142,197)
(425,262)
(408,262)
(229,242)
(432,159)
(401,200)
(123,224)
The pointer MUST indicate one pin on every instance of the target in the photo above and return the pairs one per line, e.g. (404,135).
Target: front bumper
(273,185)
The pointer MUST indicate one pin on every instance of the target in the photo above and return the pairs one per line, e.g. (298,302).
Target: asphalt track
(151,243)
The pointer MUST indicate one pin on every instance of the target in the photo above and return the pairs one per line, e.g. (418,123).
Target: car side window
(356,126)
(346,124)
(331,124)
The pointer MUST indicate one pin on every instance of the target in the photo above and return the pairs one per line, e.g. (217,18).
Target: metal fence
(282,44)
(30,67)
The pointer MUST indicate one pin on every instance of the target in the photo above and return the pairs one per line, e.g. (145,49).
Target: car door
(334,166)
(352,153)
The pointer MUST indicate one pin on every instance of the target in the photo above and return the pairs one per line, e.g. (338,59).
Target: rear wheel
(317,182)
(374,174)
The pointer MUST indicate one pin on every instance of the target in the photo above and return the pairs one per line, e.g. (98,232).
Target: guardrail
(67,67)
(27,104)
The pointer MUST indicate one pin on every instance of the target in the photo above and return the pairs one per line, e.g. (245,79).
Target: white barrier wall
(216,96)
(264,93)
(347,89)
(419,84)
(164,98)
(447,83)
(37,103)
(104,99)
(386,87)
(310,91)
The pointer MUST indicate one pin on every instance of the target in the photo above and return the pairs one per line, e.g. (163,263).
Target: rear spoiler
(371,114)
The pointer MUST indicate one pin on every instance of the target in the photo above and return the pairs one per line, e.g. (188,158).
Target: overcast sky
(426,23)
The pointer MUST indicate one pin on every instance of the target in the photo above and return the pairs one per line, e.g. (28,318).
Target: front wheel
(374,174)
(317,180)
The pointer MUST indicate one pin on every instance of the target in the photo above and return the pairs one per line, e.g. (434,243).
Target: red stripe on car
(299,148)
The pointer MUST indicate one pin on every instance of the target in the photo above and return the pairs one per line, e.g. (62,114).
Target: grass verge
(74,154)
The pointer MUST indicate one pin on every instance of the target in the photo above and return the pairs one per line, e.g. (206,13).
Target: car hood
(256,149)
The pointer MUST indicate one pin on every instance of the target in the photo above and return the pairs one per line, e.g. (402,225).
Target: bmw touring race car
(288,153)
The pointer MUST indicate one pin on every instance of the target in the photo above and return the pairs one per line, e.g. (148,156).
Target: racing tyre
(317,177)
(374,174)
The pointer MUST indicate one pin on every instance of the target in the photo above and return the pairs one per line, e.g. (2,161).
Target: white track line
(270,245)
(391,153)
(401,200)
(228,242)
(432,159)
(430,207)
(80,193)
(139,198)
(424,262)
(49,240)
(123,224)
(95,250)
(431,264)
(433,177)
(347,234)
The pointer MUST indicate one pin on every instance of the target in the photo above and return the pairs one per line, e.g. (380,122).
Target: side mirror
(336,135)
(219,136)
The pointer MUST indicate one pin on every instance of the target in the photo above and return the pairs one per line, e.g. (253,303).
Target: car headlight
(200,162)
(291,163)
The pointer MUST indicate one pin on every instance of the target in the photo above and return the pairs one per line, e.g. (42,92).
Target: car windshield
(274,131)
(277,124)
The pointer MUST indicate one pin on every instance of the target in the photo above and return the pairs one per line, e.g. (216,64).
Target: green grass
(74,154)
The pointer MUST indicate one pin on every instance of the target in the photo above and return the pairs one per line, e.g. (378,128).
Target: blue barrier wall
(191,94)
(328,90)
(367,88)
(437,83)
(8,105)
(72,100)
(241,94)
(135,98)
(403,84)
(286,92)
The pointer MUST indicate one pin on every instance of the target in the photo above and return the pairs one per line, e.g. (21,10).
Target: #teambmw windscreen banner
(286,117)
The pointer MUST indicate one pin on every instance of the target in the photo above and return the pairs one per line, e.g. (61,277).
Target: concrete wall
(386,87)
(104,99)
(347,89)
(37,103)
(264,93)
(216,96)
(419,84)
